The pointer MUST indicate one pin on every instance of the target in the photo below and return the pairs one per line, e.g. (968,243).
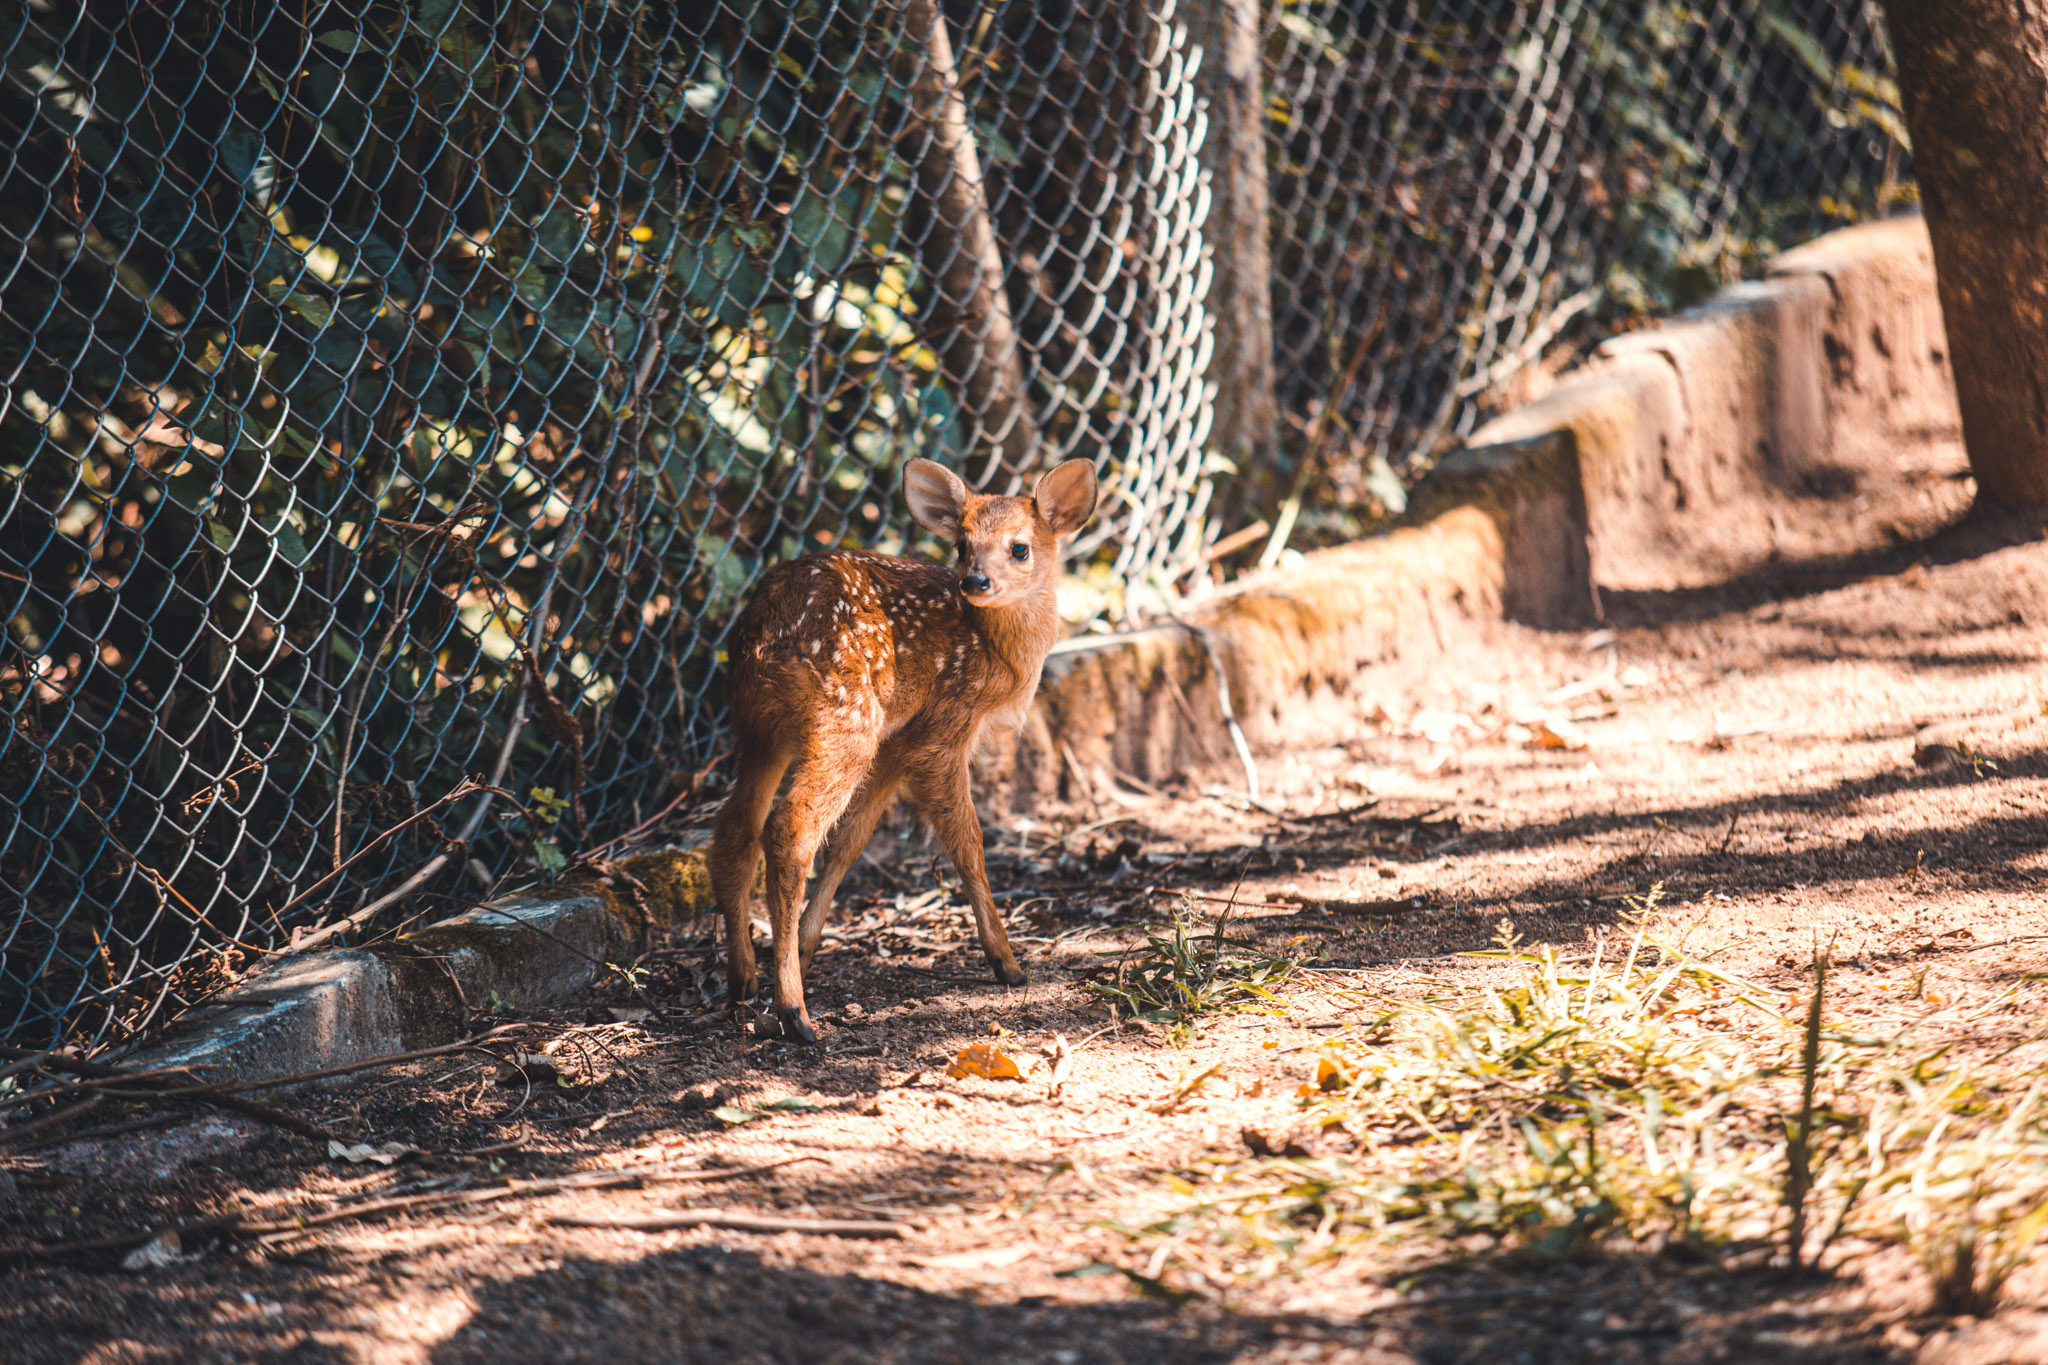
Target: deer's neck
(1021,634)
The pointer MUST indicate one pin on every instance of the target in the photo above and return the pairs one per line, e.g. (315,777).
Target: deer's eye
(1020,551)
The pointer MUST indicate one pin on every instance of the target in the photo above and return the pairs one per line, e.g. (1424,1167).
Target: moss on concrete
(678,884)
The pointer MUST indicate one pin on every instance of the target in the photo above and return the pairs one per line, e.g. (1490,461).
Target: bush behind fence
(405,393)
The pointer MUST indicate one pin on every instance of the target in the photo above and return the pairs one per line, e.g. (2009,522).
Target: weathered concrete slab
(305,1013)
(327,1009)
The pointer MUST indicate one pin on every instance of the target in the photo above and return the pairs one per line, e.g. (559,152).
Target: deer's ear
(936,496)
(1066,496)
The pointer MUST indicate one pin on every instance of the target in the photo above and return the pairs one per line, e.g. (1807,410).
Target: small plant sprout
(1181,973)
(545,813)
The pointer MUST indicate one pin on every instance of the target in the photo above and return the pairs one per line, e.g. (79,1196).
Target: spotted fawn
(853,674)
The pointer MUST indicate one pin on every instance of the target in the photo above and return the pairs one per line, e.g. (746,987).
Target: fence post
(1232,80)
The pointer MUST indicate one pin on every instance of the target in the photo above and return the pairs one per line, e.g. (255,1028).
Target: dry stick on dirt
(456,793)
(244,1225)
(264,1113)
(18,1132)
(738,1222)
(439,860)
(223,1094)
(98,1071)
(1305,903)
(325,1073)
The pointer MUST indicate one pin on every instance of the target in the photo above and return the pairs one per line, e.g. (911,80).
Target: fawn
(856,673)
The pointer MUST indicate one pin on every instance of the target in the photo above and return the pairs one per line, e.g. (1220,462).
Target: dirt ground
(1749,747)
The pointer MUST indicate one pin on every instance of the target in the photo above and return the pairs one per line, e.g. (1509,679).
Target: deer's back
(850,638)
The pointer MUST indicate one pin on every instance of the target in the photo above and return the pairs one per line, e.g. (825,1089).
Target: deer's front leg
(942,795)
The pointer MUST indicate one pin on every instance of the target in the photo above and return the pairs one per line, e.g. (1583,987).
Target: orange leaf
(986,1061)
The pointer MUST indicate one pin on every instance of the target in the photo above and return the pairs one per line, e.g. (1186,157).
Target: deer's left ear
(1066,496)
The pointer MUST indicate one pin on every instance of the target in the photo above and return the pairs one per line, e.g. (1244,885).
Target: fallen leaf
(733,1115)
(630,1014)
(1554,733)
(356,1153)
(986,1061)
(159,1251)
(1186,1090)
(530,1068)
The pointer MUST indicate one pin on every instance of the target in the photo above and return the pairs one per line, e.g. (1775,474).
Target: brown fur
(855,674)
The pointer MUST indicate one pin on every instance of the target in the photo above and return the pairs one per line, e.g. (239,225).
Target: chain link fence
(404,395)
(1466,189)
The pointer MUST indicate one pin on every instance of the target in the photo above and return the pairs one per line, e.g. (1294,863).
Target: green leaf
(793,1105)
(286,537)
(549,855)
(220,534)
(339,40)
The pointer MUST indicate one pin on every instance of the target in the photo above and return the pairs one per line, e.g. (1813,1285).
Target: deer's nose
(975,583)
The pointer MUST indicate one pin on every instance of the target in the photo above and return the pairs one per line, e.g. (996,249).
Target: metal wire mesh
(1461,187)
(399,393)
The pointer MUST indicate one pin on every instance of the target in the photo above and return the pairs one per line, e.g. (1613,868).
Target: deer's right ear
(936,495)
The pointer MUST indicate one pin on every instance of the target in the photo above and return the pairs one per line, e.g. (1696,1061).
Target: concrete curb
(1646,468)
(330,1008)
(1658,465)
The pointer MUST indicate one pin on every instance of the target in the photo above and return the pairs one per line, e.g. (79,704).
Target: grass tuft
(1645,1102)
(1182,972)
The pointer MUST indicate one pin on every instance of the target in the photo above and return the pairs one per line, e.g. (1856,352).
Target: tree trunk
(1974,77)
(979,346)
(1247,418)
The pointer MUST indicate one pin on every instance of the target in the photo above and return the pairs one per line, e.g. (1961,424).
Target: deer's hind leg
(736,856)
(827,772)
(848,838)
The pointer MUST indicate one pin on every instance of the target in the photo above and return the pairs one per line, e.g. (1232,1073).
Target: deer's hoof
(1010,974)
(738,993)
(793,1025)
